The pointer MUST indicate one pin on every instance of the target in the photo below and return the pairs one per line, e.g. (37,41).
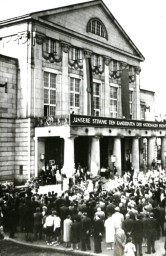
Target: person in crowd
(118,218)
(120,240)
(67,231)
(85,232)
(38,224)
(98,233)
(151,226)
(128,225)
(137,235)
(49,226)
(109,232)
(129,249)
(75,233)
(57,228)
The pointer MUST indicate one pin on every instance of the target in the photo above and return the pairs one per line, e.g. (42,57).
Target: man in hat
(118,218)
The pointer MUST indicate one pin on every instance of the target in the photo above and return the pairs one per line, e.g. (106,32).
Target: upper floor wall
(8,87)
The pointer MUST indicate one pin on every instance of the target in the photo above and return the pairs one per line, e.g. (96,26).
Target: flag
(89,85)
(125,93)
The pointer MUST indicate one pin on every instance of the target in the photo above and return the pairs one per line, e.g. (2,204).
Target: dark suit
(137,236)
(128,227)
(151,225)
(86,224)
(98,229)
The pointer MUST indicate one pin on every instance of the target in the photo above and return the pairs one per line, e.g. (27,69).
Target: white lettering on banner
(81,120)
(162,125)
(125,123)
(150,125)
(139,124)
(111,122)
(99,121)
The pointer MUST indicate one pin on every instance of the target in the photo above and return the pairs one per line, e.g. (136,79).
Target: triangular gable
(75,18)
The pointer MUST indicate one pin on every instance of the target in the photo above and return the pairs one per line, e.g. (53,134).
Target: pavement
(21,239)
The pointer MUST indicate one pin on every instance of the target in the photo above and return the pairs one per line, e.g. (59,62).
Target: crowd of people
(125,212)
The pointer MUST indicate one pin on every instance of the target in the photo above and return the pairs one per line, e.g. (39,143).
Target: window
(49,94)
(50,46)
(97,27)
(75,54)
(143,111)
(75,95)
(130,102)
(96,99)
(113,101)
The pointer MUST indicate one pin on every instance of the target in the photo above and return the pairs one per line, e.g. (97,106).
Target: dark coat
(86,225)
(75,232)
(151,225)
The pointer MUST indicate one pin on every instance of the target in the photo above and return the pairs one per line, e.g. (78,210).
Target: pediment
(75,18)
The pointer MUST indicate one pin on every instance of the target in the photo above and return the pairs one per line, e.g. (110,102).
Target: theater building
(70,93)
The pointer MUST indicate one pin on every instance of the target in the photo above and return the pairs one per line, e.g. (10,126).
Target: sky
(145,23)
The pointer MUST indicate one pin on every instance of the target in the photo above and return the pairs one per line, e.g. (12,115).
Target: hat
(117,209)
(44,207)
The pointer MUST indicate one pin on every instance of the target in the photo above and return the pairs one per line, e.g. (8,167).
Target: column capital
(119,136)
(38,38)
(107,60)
(137,70)
(123,64)
(65,46)
(87,53)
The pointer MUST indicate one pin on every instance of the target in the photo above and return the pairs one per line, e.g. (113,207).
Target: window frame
(114,114)
(76,94)
(97,27)
(49,107)
(97,97)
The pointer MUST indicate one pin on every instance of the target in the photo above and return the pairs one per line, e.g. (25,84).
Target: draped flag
(89,85)
(125,93)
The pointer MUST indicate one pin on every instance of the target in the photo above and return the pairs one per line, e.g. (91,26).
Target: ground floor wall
(17,150)
(24,149)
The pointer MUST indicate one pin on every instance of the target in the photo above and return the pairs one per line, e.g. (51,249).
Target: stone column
(95,155)
(150,151)
(117,154)
(68,167)
(107,87)
(86,110)
(163,151)
(36,156)
(135,154)
(110,151)
(141,151)
(65,79)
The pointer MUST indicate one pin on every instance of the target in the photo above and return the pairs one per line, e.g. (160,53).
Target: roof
(39,14)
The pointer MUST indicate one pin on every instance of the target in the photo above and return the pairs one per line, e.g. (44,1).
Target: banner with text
(79,120)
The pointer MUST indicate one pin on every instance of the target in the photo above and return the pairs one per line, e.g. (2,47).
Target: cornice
(88,39)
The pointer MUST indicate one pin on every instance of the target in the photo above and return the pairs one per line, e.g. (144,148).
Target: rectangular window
(75,53)
(142,111)
(75,95)
(130,103)
(113,101)
(96,98)
(50,45)
(49,94)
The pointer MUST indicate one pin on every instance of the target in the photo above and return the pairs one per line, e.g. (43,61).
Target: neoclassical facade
(77,94)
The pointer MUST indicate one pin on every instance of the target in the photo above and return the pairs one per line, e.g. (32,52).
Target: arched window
(97,27)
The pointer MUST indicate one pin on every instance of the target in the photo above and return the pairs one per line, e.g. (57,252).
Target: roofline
(33,14)
(8,57)
(147,90)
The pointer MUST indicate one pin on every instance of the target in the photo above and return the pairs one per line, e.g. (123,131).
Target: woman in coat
(109,232)
(66,231)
